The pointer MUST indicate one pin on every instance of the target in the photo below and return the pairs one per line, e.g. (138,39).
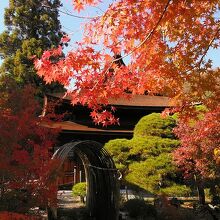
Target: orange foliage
(167,42)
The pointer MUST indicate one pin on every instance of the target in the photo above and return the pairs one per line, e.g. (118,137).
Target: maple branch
(98,8)
(205,52)
(68,29)
(146,38)
(138,46)
(72,15)
(149,34)
(208,47)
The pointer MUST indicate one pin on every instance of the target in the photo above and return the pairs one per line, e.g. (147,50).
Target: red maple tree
(199,140)
(26,171)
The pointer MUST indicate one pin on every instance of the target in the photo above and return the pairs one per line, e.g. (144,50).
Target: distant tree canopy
(31,28)
(146,159)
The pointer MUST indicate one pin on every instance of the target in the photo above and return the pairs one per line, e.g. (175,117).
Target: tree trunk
(126,193)
(82,199)
(52,213)
(215,200)
(200,189)
(201,194)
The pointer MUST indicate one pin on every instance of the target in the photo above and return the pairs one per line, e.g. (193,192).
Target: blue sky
(72,25)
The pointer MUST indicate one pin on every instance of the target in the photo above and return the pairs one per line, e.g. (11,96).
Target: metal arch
(101,176)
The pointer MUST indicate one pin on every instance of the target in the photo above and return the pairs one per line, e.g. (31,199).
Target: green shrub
(79,189)
(146,159)
(176,190)
(154,125)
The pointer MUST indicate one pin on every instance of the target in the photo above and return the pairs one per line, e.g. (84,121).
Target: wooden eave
(72,126)
(134,101)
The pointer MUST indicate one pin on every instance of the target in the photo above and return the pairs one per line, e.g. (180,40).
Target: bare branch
(73,15)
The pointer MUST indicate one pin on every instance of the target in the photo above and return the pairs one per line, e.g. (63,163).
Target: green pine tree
(32,26)
(146,160)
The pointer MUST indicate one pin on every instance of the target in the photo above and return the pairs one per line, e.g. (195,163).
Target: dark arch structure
(101,176)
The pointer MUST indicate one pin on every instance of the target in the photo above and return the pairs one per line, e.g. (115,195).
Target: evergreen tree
(32,26)
(146,159)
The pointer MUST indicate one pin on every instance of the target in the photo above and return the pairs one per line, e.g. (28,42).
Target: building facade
(77,125)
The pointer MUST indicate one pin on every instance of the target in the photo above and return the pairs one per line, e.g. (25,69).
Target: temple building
(78,125)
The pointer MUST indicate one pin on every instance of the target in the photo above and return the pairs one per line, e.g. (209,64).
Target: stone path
(68,207)
(66,200)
